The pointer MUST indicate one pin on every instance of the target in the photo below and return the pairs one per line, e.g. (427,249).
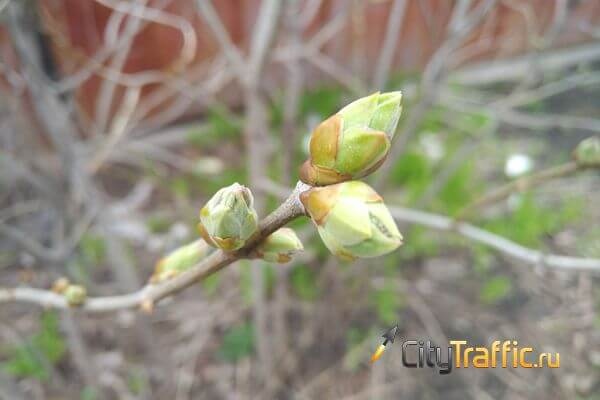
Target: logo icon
(388,337)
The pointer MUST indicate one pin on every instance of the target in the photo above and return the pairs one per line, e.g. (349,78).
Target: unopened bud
(60,285)
(354,142)
(587,152)
(75,295)
(352,220)
(279,247)
(228,219)
(179,260)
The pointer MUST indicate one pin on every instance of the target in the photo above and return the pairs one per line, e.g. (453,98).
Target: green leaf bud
(587,152)
(75,295)
(229,218)
(60,285)
(352,220)
(354,142)
(279,247)
(179,260)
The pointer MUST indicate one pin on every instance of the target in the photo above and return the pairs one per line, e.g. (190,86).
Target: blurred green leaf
(212,184)
(246,280)
(433,121)
(180,187)
(413,173)
(418,242)
(356,350)
(387,303)
(46,346)
(472,122)
(304,283)
(530,222)
(88,393)
(210,284)
(221,125)
(495,289)
(92,248)
(324,101)
(136,382)
(238,343)
(158,224)
(458,190)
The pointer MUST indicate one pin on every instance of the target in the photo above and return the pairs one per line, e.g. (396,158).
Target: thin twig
(151,294)
(502,244)
(497,242)
(215,24)
(461,23)
(388,49)
(518,185)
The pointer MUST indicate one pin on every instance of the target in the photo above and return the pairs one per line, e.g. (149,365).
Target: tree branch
(518,185)
(497,242)
(151,294)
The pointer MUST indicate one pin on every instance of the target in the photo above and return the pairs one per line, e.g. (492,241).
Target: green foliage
(303,281)
(238,343)
(210,284)
(323,101)
(180,187)
(399,79)
(355,336)
(45,347)
(356,351)
(136,382)
(433,121)
(229,176)
(458,190)
(387,302)
(530,221)
(418,242)
(221,125)
(91,252)
(92,249)
(246,280)
(158,224)
(88,393)
(482,259)
(412,172)
(472,122)
(495,289)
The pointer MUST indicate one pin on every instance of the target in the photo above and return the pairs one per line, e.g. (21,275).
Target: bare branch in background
(258,150)
(518,185)
(390,43)
(489,72)
(459,27)
(494,241)
(151,294)
(213,21)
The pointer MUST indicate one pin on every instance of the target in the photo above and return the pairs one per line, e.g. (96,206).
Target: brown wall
(76,29)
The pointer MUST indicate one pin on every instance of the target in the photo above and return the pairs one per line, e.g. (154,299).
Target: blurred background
(119,119)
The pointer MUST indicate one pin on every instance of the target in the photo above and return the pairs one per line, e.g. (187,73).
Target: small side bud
(147,306)
(60,285)
(228,219)
(354,142)
(279,247)
(587,152)
(178,261)
(75,295)
(352,220)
